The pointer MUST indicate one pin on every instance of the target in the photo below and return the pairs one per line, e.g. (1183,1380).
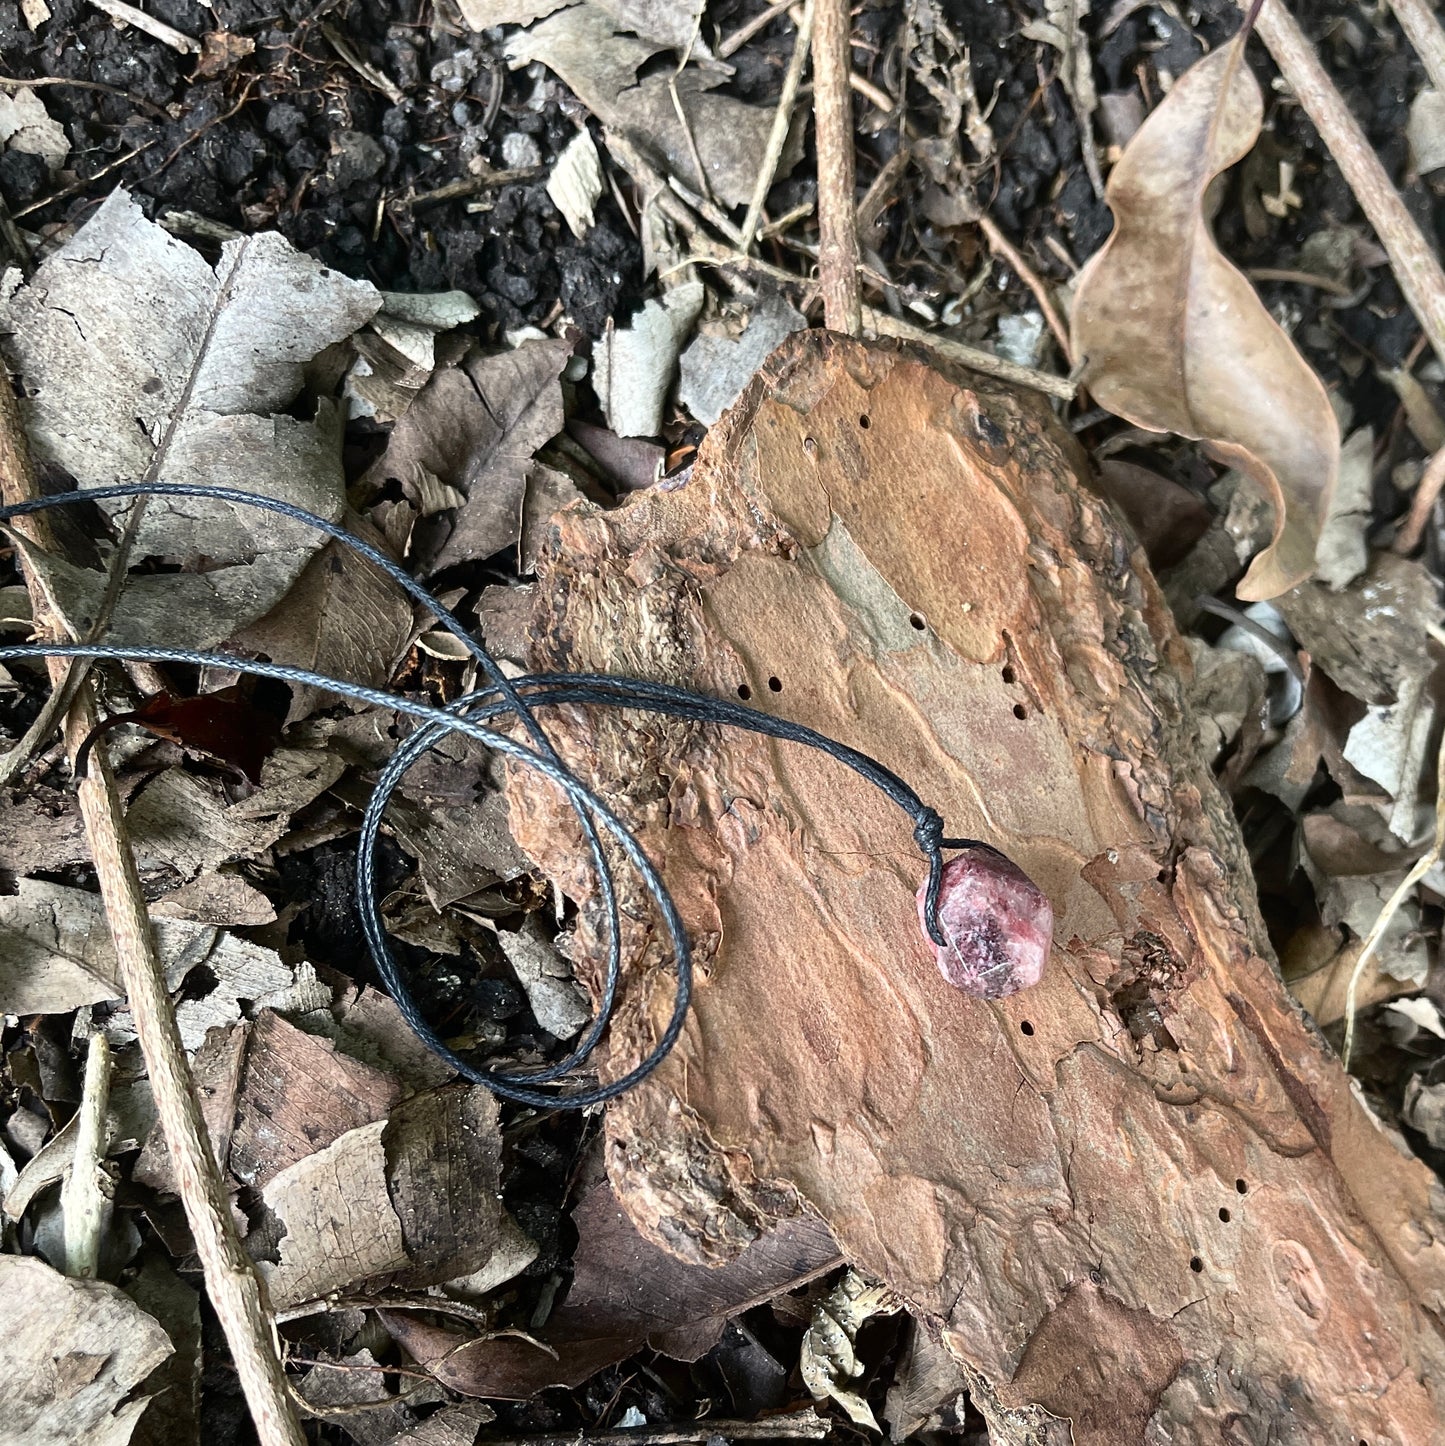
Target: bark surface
(1137,1201)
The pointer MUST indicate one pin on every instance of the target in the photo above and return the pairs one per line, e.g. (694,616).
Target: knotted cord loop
(479,715)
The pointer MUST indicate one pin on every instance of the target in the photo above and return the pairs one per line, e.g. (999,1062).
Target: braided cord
(503,699)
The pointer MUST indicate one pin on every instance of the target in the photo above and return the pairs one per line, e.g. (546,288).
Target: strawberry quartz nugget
(997,923)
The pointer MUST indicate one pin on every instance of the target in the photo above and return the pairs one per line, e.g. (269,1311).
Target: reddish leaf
(223,725)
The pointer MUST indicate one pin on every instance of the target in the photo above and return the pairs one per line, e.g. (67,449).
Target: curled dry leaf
(828,1364)
(1176,339)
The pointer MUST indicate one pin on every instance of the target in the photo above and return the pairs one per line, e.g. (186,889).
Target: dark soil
(291,137)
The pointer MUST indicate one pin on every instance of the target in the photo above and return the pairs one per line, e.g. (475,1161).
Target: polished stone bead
(998,924)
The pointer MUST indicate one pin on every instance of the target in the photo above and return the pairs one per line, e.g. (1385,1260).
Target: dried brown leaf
(626,1292)
(1176,339)
(474,427)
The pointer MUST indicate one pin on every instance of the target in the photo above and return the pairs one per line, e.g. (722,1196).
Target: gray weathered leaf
(140,362)
(70,1354)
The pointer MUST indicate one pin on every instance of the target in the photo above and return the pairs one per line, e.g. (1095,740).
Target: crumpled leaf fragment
(591,52)
(575,184)
(828,1362)
(635,364)
(71,1353)
(1176,339)
(474,428)
(26,126)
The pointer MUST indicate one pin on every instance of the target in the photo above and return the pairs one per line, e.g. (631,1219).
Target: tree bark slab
(1138,1198)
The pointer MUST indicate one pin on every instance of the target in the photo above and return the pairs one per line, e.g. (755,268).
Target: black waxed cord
(502,699)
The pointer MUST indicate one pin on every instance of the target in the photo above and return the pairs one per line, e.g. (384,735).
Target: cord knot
(928,831)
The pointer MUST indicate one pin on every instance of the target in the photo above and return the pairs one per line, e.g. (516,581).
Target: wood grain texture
(1139,1196)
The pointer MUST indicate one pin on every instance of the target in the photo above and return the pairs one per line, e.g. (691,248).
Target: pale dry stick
(231,1281)
(786,221)
(971,356)
(1421,504)
(84,183)
(664,191)
(1418,870)
(782,119)
(707,254)
(1416,267)
(84,1203)
(156,29)
(1000,245)
(869,91)
(708,210)
(805,1425)
(745,33)
(838,251)
(1422,28)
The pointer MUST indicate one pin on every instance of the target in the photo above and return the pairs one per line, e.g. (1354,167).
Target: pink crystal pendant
(997,922)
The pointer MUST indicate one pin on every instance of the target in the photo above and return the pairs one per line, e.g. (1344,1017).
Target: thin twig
(364,68)
(231,1281)
(704,253)
(1422,27)
(838,252)
(84,1203)
(156,29)
(139,101)
(800,1426)
(970,356)
(1279,647)
(708,210)
(439,1304)
(1416,267)
(745,33)
(83,184)
(1297,278)
(468,186)
(1418,870)
(782,120)
(1000,245)
(871,92)
(1432,479)
(682,120)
